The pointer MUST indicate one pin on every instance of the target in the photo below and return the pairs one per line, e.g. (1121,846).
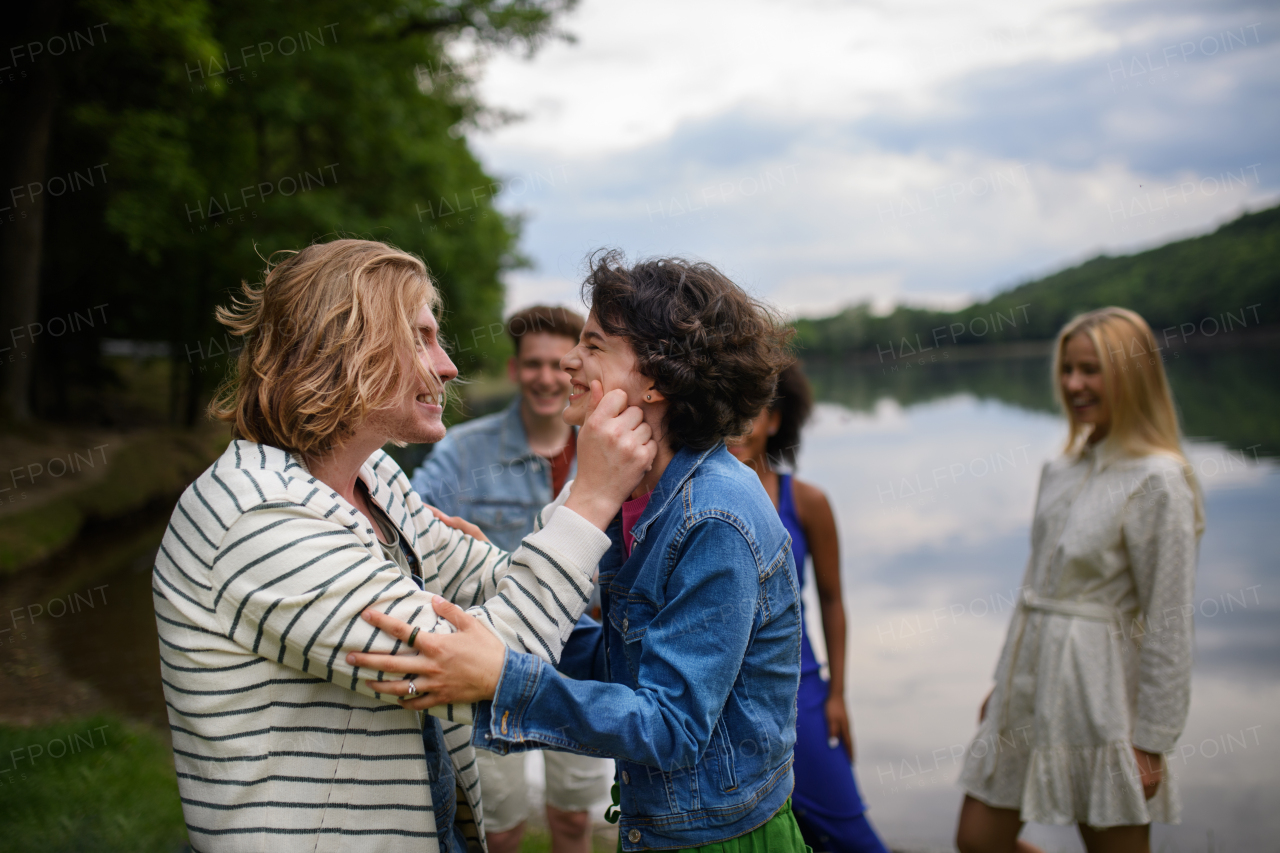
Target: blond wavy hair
(1143,418)
(329,337)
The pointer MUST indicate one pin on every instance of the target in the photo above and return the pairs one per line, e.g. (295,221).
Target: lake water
(931,565)
(933,479)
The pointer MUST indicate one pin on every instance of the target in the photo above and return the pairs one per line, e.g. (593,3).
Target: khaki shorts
(575,783)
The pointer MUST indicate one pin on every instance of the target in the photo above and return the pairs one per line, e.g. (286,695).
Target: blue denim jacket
(694,672)
(485,472)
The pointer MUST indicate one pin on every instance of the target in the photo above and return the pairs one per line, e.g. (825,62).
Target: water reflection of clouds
(1219,467)
(929,579)
(955,471)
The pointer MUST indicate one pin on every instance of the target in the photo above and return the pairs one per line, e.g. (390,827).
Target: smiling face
(1082,384)
(544,386)
(417,417)
(612,362)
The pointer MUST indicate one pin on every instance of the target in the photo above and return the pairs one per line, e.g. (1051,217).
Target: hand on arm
(463,669)
(531,598)
(460,524)
(668,720)
(452,668)
(290,585)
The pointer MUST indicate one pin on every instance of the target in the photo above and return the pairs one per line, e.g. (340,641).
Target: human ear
(513,369)
(653,395)
(775,421)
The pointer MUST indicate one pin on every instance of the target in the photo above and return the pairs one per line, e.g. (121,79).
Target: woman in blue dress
(826,801)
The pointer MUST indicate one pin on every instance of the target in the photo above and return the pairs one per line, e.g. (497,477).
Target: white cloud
(1218,467)
(823,294)
(524,290)
(638,70)
(817,228)
(898,489)
(925,152)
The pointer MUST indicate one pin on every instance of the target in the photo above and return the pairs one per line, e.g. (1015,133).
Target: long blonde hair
(1143,418)
(327,335)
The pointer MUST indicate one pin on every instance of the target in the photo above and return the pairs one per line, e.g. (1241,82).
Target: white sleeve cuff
(572,540)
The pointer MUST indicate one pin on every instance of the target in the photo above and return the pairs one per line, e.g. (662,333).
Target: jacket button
(626,625)
(626,778)
(634,836)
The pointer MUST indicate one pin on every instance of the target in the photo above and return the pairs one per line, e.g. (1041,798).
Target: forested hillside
(1220,282)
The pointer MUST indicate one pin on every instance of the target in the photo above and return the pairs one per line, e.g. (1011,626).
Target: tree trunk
(22,240)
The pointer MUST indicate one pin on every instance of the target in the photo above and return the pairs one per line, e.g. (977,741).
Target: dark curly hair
(794,399)
(713,351)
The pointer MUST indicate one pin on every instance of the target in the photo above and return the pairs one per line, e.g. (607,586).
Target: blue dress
(826,801)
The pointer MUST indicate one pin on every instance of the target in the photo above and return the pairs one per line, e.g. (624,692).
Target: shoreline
(1261,337)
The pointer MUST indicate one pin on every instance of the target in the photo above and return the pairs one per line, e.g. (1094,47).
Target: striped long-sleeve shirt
(259,584)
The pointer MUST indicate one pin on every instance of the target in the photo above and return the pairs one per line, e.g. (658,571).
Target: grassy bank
(141,467)
(102,784)
(97,783)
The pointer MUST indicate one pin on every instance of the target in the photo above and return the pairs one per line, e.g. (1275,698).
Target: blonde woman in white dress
(1093,685)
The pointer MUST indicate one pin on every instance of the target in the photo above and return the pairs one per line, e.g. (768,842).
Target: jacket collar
(1102,454)
(376,473)
(679,470)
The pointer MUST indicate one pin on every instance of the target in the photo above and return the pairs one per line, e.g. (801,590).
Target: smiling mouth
(576,390)
(431,399)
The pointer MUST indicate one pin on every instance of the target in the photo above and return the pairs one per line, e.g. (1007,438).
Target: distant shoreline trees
(1217,283)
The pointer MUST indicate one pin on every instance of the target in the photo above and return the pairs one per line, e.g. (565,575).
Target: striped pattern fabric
(259,584)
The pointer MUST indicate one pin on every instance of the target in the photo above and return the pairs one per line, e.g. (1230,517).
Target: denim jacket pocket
(632,619)
(722,747)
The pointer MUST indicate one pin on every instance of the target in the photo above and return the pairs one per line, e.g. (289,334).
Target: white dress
(1098,656)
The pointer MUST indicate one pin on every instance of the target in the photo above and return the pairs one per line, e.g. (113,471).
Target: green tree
(221,132)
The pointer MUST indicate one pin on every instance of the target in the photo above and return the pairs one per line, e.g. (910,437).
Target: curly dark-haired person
(690,683)
(828,805)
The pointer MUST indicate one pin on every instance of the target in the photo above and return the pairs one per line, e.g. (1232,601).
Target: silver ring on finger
(413,688)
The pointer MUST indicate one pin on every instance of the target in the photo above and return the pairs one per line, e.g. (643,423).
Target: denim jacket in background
(485,472)
(694,673)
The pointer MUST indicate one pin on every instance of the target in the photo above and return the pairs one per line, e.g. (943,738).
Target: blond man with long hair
(274,553)
(1093,685)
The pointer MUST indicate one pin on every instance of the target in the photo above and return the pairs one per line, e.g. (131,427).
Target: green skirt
(779,834)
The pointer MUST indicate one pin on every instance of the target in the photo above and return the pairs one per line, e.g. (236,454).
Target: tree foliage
(226,131)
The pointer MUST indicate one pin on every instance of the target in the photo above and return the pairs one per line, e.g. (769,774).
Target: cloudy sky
(921,151)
